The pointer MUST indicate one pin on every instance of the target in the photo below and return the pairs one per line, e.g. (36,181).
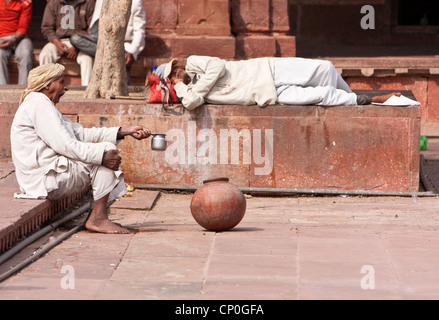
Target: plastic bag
(423,145)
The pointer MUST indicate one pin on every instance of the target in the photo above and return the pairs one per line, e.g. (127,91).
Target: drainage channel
(53,242)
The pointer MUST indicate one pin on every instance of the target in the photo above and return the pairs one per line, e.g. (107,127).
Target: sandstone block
(223,47)
(209,17)
(250,16)
(255,46)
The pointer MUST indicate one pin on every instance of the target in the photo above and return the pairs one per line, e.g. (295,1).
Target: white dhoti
(72,177)
(307,81)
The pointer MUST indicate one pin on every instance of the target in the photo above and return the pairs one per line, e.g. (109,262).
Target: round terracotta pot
(218,205)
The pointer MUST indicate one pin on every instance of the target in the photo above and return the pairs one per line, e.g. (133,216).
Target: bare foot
(106,226)
(98,219)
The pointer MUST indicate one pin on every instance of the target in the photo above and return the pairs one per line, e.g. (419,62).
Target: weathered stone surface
(255,46)
(185,46)
(250,16)
(280,20)
(210,17)
(137,200)
(161,14)
(304,147)
(285,46)
(432,113)
(285,248)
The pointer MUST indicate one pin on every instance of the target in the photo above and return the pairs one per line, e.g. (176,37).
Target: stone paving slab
(298,247)
(284,248)
(140,200)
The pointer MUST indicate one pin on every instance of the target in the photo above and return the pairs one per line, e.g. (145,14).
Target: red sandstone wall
(425,89)
(236,29)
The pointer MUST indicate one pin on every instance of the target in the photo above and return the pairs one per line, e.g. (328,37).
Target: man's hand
(174,81)
(179,75)
(129,59)
(5,44)
(72,53)
(137,132)
(111,159)
(61,48)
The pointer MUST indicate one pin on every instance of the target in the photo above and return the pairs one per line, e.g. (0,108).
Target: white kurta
(135,34)
(263,81)
(55,157)
(219,81)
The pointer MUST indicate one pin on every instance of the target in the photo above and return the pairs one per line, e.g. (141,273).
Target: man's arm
(53,129)
(137,43)
(48,25)
(23,26)
(210,69)
(24,22)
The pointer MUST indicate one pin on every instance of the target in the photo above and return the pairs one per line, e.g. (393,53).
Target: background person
(15,16)
(57,28)
(134,36)
(261,81)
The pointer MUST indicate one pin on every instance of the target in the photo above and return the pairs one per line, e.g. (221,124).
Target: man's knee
(84,59)
(24,51)
(48,54)
(104,181)
(75,40)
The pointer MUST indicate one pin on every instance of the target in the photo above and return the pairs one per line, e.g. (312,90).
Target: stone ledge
(386,66)
(20,217)
(329,148)
(299,147)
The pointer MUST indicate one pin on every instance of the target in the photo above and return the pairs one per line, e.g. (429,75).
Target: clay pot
(218,205)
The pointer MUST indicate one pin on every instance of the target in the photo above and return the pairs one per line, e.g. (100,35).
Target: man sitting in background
(61,19)
(134,36)
(15,18)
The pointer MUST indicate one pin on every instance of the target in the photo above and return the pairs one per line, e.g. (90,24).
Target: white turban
(42,76)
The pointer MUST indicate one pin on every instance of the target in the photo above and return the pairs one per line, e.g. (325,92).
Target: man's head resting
(165,69)
(42,76)
(173,72)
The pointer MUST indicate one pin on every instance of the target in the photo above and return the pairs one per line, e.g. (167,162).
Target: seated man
(262,81)
(134,36)
(15,18)
(59,23)
(55,158)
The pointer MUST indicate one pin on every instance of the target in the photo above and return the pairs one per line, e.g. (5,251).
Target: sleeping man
(261,81)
